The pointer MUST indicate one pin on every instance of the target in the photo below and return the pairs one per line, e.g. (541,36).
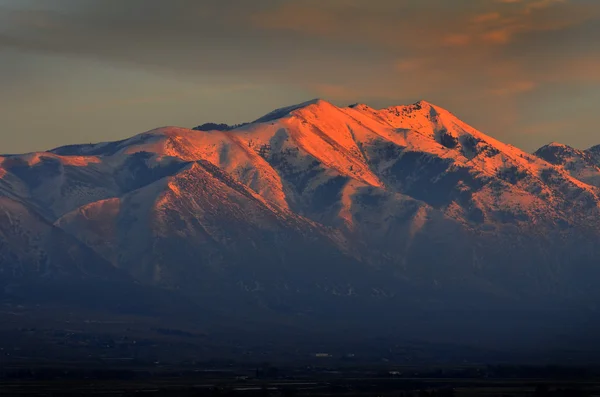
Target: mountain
(321,216)
(581,164)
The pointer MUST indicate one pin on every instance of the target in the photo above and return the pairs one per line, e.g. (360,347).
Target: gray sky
(524,71)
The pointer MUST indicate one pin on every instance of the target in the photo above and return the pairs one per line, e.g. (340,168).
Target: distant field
(266,380)
(189,386)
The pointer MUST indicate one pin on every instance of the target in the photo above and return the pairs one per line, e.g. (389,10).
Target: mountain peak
(549,151)
(429,107)
(423,103)
(325,105)
(284,111)
(419,106)
(558,145)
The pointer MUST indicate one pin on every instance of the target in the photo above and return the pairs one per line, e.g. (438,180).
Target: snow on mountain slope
(420,150)
(199,225)
(581,164)
(321,130)
(432,155)
(31,247)
(305,158)
(432,178)
(218,147)
(56,184)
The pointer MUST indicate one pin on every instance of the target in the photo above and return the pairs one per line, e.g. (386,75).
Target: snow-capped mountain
(403,204)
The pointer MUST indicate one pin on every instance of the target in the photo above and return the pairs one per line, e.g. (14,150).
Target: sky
(77,71)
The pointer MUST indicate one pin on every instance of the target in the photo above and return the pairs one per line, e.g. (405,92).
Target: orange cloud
(408,65)
(540,5)
(457,40)
(526,16)
(491,16)
(376,25)
(513,88)
(497,36)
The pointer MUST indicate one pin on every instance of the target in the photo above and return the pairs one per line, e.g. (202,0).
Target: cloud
(540,5)
(513,88)
(457,40)
(500,36)
(410,64)
(490,16)
(501,26)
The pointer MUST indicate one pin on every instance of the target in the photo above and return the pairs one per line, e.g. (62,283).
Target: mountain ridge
(314,208)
